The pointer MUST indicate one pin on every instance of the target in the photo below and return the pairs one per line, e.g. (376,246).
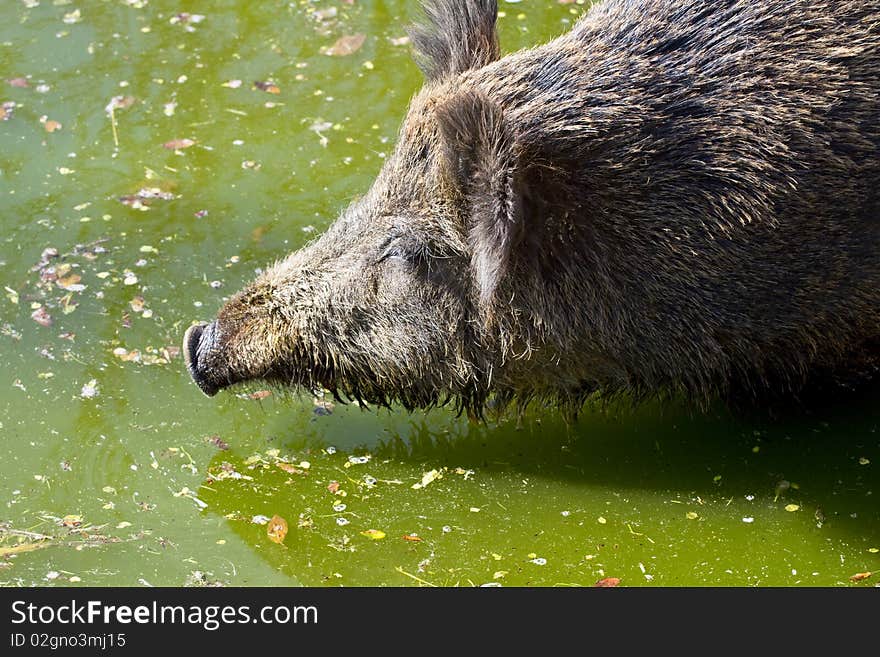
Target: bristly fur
(675,197)
(456,36)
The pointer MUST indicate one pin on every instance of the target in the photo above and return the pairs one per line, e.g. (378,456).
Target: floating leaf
(791,508)
(119,103)
(90,389)
(42,317)
(178,144)
(608,582)
(277,529)
(71,521)
(218,442)
(20,83)
(187,20)
(858,577)
(690,515)
(69,281)
(333,487)
(142,199)
(260,394)
(268,87)
(346,45)
(412,538)
(427,478)
(375,534)
(6,110)
(51,126)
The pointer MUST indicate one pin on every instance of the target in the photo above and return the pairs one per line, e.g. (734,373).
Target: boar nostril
(191,346)
(191,356)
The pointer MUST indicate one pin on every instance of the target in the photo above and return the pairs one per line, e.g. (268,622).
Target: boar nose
(194,348)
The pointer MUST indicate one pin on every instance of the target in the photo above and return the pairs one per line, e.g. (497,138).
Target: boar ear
(481,153)
(458,35)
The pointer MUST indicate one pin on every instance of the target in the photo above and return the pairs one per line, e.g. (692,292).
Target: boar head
(395,302)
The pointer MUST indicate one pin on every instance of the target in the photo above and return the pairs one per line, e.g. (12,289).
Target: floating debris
(277,529)
(607,582)
(268,87)
(89,390)
(6,110)
(178,144)
(346,45)
(42,317)
(427,478)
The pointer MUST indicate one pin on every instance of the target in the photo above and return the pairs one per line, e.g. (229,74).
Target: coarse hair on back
(455,36)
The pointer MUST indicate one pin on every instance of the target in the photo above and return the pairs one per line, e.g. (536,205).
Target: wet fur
(677,196)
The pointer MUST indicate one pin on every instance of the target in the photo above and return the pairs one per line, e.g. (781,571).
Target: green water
(114,470)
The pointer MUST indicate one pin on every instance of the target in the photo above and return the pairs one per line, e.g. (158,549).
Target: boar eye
(395,252)
(400,248)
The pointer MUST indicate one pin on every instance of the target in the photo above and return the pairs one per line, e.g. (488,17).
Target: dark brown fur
(675,196)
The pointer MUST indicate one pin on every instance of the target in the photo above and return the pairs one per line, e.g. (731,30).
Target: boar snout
(198,341)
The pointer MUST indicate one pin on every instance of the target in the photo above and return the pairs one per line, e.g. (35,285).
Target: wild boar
(674,197)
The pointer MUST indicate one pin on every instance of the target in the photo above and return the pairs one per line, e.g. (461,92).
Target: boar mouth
(191,356)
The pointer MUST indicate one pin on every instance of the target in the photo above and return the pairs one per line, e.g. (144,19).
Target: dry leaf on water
(42,317)
(608,582)
(119,103)
(178,144)
(276,530)
(268,87)
(346,45)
